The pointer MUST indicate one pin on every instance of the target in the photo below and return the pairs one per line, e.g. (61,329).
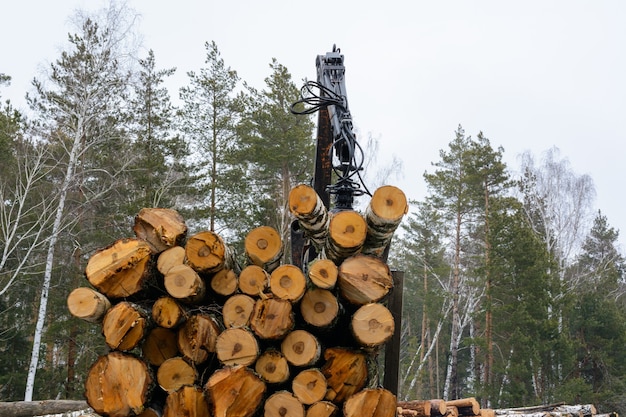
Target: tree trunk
(319,308)
(309,386)
(175,373)
(39,408)
(364,279)
(376,402)
(188,401)
(118,385)
(322,409)
(162,228)
(166,312)
(301,348)
(283,404)
(272,318)
(253,280)
(235,392)
(323,273)
(169,258)
(159,346)
(197,337)
(237,346)
(383,216)
(272,367)
(88,304)
(237,311)
(307,206)
(346,234)
(345,371)
(264,247)
(124,326)
(372,325)
(288,282)
(184,284)
(120,270)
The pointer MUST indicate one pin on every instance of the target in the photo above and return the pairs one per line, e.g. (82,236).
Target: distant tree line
(514,288)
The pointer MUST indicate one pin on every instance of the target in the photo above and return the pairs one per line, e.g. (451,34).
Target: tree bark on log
(309,209)
(121,269)
(118,385)
(346,234)
(162,228)
(364,279)
(383,216)
(264,247)
(235,392)
(87,304)
(39,408)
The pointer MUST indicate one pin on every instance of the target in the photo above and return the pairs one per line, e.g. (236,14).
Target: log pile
(469,407)
(191,332)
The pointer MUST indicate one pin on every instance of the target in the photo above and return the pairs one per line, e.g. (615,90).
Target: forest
(514,286)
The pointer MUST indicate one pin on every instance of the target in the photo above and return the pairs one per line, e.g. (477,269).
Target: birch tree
(77,109)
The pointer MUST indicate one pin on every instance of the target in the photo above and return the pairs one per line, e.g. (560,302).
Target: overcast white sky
(529,74)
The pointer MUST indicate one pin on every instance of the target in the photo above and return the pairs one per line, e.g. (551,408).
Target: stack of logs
(469,407)
(193,332)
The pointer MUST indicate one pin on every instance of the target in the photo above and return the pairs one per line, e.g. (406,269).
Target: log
(288,282)
(206,253)
(272,367)
(159,345)
(283,404)
(124,326)
(264,247)
(237,310)
(309,209)
(162,228)
(309,386)
(466,406)
(383,216)
(39,408)
(346,234)
(272,318)
(168,313)
(118,385)
(154,409)
(374,402)
(438,407)
(322,409)
(170,257)
(584,409)
(487,412)
(372,325)
(323,273)
(197,337)
(301,348)
(184,284)
(364,279)
(236,346)
(421,408)
(345,371)
(319,308)
(175,373)
(121,269)
(88,304)
(224,282)
(188,401)
(253,280)
(452,411)
(235,392)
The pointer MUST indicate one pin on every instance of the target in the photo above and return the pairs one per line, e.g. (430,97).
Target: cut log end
(161,228)
(88,304)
